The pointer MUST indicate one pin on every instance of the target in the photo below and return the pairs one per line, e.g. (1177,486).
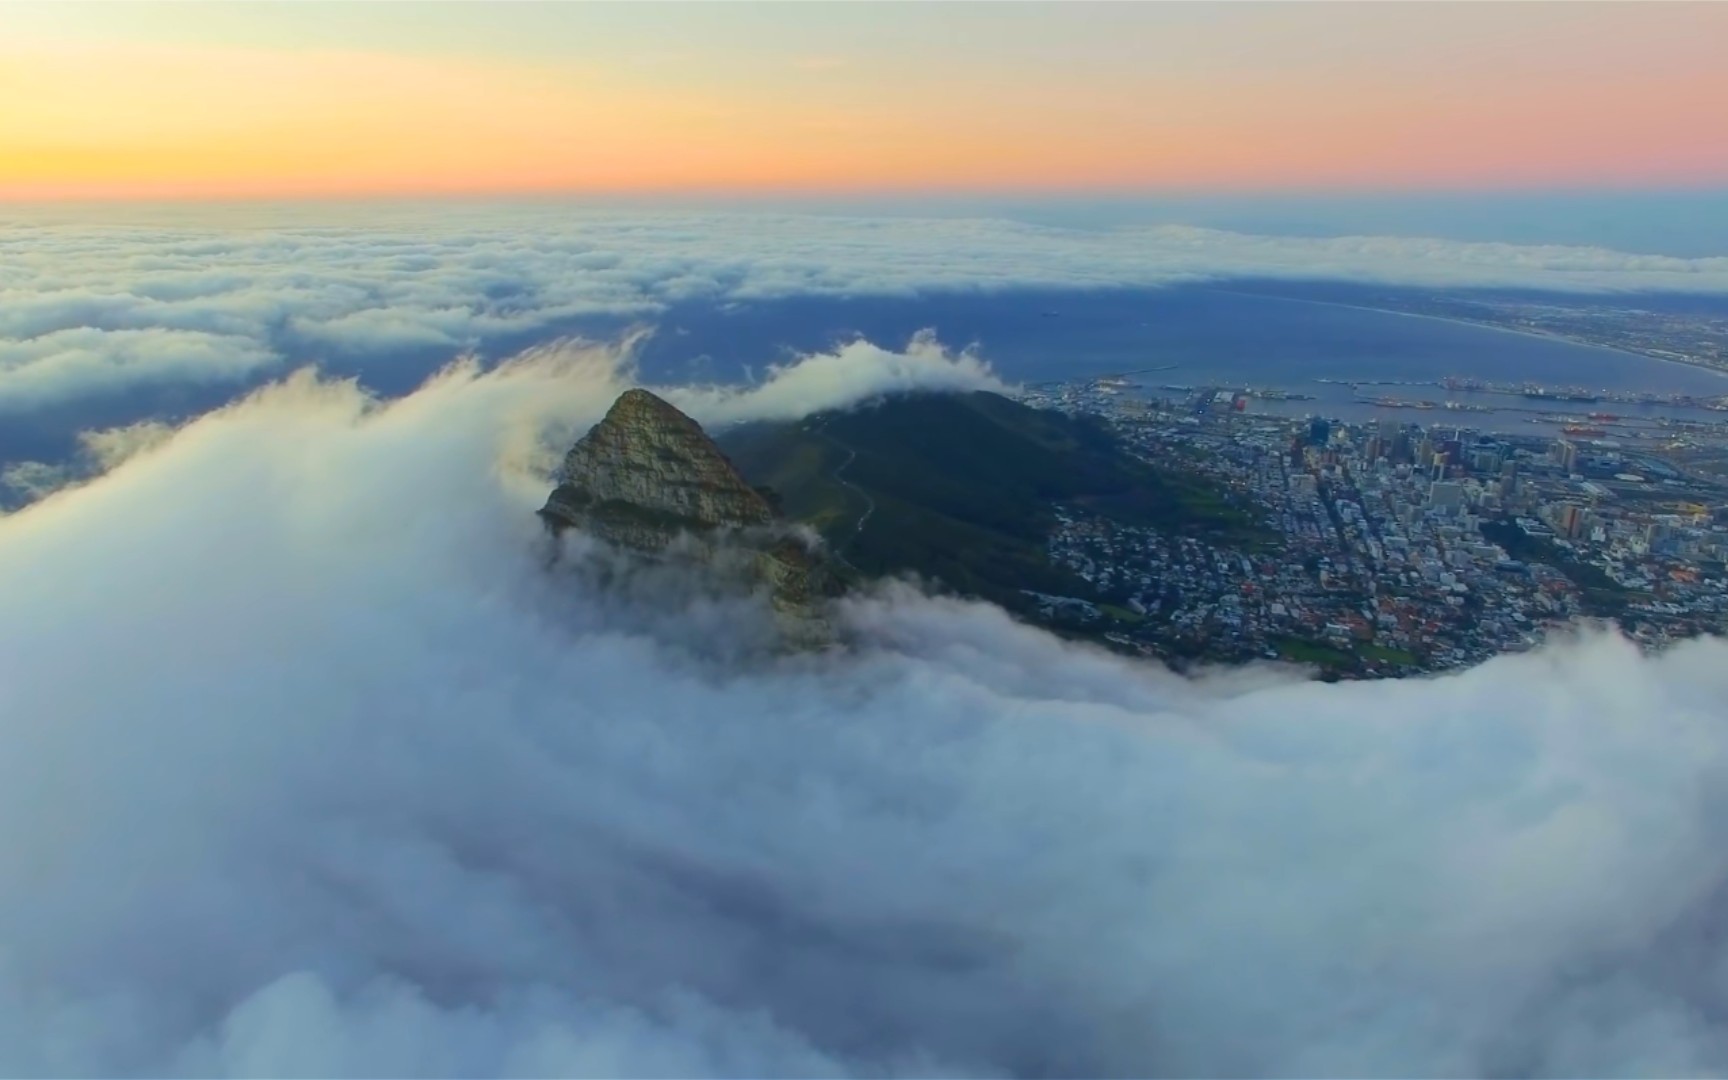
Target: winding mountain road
(869,503)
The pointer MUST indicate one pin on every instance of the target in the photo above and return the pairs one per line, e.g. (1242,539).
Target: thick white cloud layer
(854,372)
(310,768)
(74,362)
(99,451)
(91,307)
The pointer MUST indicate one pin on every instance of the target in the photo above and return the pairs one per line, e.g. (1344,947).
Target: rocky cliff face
(647,478)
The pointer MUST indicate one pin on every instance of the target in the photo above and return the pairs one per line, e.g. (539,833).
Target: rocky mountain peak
(648,479)
(648,457)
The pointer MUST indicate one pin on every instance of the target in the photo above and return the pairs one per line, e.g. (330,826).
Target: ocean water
(1202,334)
(1207,333)
(1512,415)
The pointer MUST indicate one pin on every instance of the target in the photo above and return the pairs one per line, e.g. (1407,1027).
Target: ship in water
(1538,393)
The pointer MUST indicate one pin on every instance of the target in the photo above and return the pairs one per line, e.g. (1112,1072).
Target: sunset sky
(142,100)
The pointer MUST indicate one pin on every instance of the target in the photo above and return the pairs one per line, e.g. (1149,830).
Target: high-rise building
(1508,479)
(1444,495)
(1565,454)
(1568,519)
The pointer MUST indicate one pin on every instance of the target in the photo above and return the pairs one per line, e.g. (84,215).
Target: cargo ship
(1536,393)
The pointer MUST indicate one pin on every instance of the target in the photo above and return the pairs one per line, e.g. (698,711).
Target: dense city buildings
(1401,547)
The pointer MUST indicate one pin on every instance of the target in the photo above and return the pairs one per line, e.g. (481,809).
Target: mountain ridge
(963,487)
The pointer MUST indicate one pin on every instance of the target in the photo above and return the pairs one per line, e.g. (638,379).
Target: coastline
(1536,334)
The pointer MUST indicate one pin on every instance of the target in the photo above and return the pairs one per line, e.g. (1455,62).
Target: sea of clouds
(96,304)
(310,766)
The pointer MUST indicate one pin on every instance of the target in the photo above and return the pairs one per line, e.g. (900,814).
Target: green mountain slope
(961,487)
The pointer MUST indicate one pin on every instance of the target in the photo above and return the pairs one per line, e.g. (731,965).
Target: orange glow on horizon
(130,120)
